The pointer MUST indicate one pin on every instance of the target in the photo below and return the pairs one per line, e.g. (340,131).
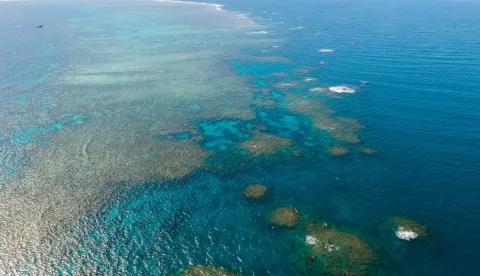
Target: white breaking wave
(405,235)
(311,240)
(218,7)
(326,50)
(259,32)
(341,89)
(318,89)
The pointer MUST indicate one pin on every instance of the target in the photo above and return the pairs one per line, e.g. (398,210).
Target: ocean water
(129,130)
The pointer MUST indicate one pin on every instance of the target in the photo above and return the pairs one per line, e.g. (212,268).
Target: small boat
(39,26)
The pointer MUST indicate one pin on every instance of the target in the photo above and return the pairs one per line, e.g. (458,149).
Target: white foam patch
(218,7)
(341,89)
(297,28)
(311,240)
(326,50)
(259,32)
(310,79)
(405,235)
(318,89)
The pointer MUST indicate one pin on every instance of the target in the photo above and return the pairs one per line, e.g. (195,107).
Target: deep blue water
(419,110)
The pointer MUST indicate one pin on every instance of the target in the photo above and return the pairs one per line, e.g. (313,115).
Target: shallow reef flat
(265,144)
(78,165)
(143,73)
(322,117)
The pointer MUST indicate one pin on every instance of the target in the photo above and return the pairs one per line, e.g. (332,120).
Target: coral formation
(334,252)
(265,144)
(344,129)
(337,151)
(367,150)
(285,217)
(408,229)
(206,270)
(341,129)
(255,191)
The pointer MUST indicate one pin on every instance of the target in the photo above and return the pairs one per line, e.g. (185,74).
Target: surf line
(218,7)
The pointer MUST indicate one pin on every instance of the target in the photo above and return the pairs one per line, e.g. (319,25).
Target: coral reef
(206,270)
(367,150)
(341,129)
(337,151)
(408,229)
(344,129)
(285,217)
(265,144)
(255,191)
(334,252)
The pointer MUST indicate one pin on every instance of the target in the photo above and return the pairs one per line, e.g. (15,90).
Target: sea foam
(259,32)
(311,240)
(318,89)
(403,234)
(341,89)
(326,50)
(218,7)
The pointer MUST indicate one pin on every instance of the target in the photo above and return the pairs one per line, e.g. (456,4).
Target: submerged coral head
(285,217)
(265,144)
(408,229)
(338,151)
(340,253)
(367,150)
(255,191)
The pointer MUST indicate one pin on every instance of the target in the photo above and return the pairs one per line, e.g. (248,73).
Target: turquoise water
(125,131)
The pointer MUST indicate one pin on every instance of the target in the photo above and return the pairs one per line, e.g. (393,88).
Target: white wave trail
(218,7)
